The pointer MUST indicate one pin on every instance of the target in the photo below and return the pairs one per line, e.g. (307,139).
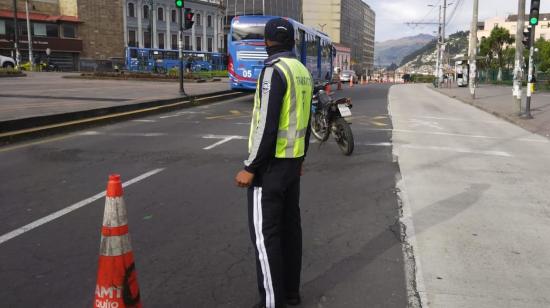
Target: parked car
(7,62)
(346,75)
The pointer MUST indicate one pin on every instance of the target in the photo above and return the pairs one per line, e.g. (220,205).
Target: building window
(199,43)
(39,29)
(160,14)
(174,16)
(52,30)
(187,42)
(209,20)
(131,11)
(161,40)
(209,44)
(147,39)
(2,27)
(145,12)
(174,41)
(69,30)
(132,38)
(198,19)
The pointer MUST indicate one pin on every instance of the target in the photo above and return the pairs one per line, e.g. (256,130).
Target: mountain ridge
(393,51)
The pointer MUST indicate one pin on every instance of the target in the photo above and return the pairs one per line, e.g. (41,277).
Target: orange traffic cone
(117,285)
(351,82)
(327,88)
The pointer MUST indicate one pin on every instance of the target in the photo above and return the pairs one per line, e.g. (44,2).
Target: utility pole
(16,36)
(473,49)
(518,67)
(437,61)
(442,49)
(29,35)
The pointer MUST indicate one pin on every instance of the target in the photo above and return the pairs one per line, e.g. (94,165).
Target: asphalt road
(187,219)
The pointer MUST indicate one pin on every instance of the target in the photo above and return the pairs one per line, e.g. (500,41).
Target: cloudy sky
(392,14)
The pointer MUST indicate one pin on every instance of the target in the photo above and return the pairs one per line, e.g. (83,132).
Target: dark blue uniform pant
(276,232)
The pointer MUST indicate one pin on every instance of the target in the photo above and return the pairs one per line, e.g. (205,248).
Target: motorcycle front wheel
(344,136)
(319,130)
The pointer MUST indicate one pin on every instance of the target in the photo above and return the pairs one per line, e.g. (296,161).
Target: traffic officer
(278,142)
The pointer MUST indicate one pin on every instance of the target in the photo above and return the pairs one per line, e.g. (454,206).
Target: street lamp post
(29,35)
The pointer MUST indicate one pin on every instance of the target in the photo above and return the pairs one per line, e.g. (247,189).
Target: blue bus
(162,60)
(246,46)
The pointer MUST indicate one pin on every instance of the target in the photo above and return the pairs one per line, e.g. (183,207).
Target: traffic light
(188,19)
(527,37)
(179,3)
(534,15)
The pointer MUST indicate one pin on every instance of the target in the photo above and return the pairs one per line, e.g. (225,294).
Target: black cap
(279,30)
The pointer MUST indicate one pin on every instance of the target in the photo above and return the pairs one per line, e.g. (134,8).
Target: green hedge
(10,71)
(422,78)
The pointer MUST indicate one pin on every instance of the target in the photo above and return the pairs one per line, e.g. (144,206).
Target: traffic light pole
(530,76)
(180,48)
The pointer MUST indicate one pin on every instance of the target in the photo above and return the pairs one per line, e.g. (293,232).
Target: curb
(12,131)
(507,118)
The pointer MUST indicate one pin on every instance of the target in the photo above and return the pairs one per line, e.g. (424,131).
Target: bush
(423,78)
(10,71)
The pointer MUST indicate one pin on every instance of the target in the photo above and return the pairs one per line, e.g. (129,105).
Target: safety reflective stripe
(293,119)
(260,246)
(112,246)
(258,132)
(254,121)
(283,134)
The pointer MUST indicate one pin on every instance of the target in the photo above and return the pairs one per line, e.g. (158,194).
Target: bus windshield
(248,32)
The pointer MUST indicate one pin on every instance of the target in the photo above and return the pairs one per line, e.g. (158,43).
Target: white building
(510,23)
(154,24)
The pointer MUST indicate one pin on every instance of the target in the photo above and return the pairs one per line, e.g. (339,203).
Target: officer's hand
(302,170)
(244,178)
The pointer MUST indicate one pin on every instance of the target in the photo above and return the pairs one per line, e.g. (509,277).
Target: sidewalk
(498,100)
(42,94)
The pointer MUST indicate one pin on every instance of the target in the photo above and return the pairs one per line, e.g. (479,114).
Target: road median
(21,129)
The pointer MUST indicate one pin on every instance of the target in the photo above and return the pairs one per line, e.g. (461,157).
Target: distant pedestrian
(278,142)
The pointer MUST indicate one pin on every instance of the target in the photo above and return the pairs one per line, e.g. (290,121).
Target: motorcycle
(329,116)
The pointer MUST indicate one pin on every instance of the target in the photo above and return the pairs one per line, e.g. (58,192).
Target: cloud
(391,15)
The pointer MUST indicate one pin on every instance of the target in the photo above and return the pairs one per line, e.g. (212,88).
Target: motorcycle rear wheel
(344,137)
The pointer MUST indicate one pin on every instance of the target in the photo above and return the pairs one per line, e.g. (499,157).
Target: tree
(493,48)
(543,55)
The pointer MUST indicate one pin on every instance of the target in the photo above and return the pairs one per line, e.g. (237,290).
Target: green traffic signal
(179,3)
(534,21)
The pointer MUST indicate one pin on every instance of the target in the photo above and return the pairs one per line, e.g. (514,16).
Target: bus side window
(299,44)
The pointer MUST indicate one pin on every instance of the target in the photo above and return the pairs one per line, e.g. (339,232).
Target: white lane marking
(181,113)
(242,123)
(459,150)
(145,121)
(96,133)
(429,124)
(223,140)
(541,140)
(446,119)
(37,223)
(377,144)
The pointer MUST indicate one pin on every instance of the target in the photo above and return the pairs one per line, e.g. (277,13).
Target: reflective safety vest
(295,110)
